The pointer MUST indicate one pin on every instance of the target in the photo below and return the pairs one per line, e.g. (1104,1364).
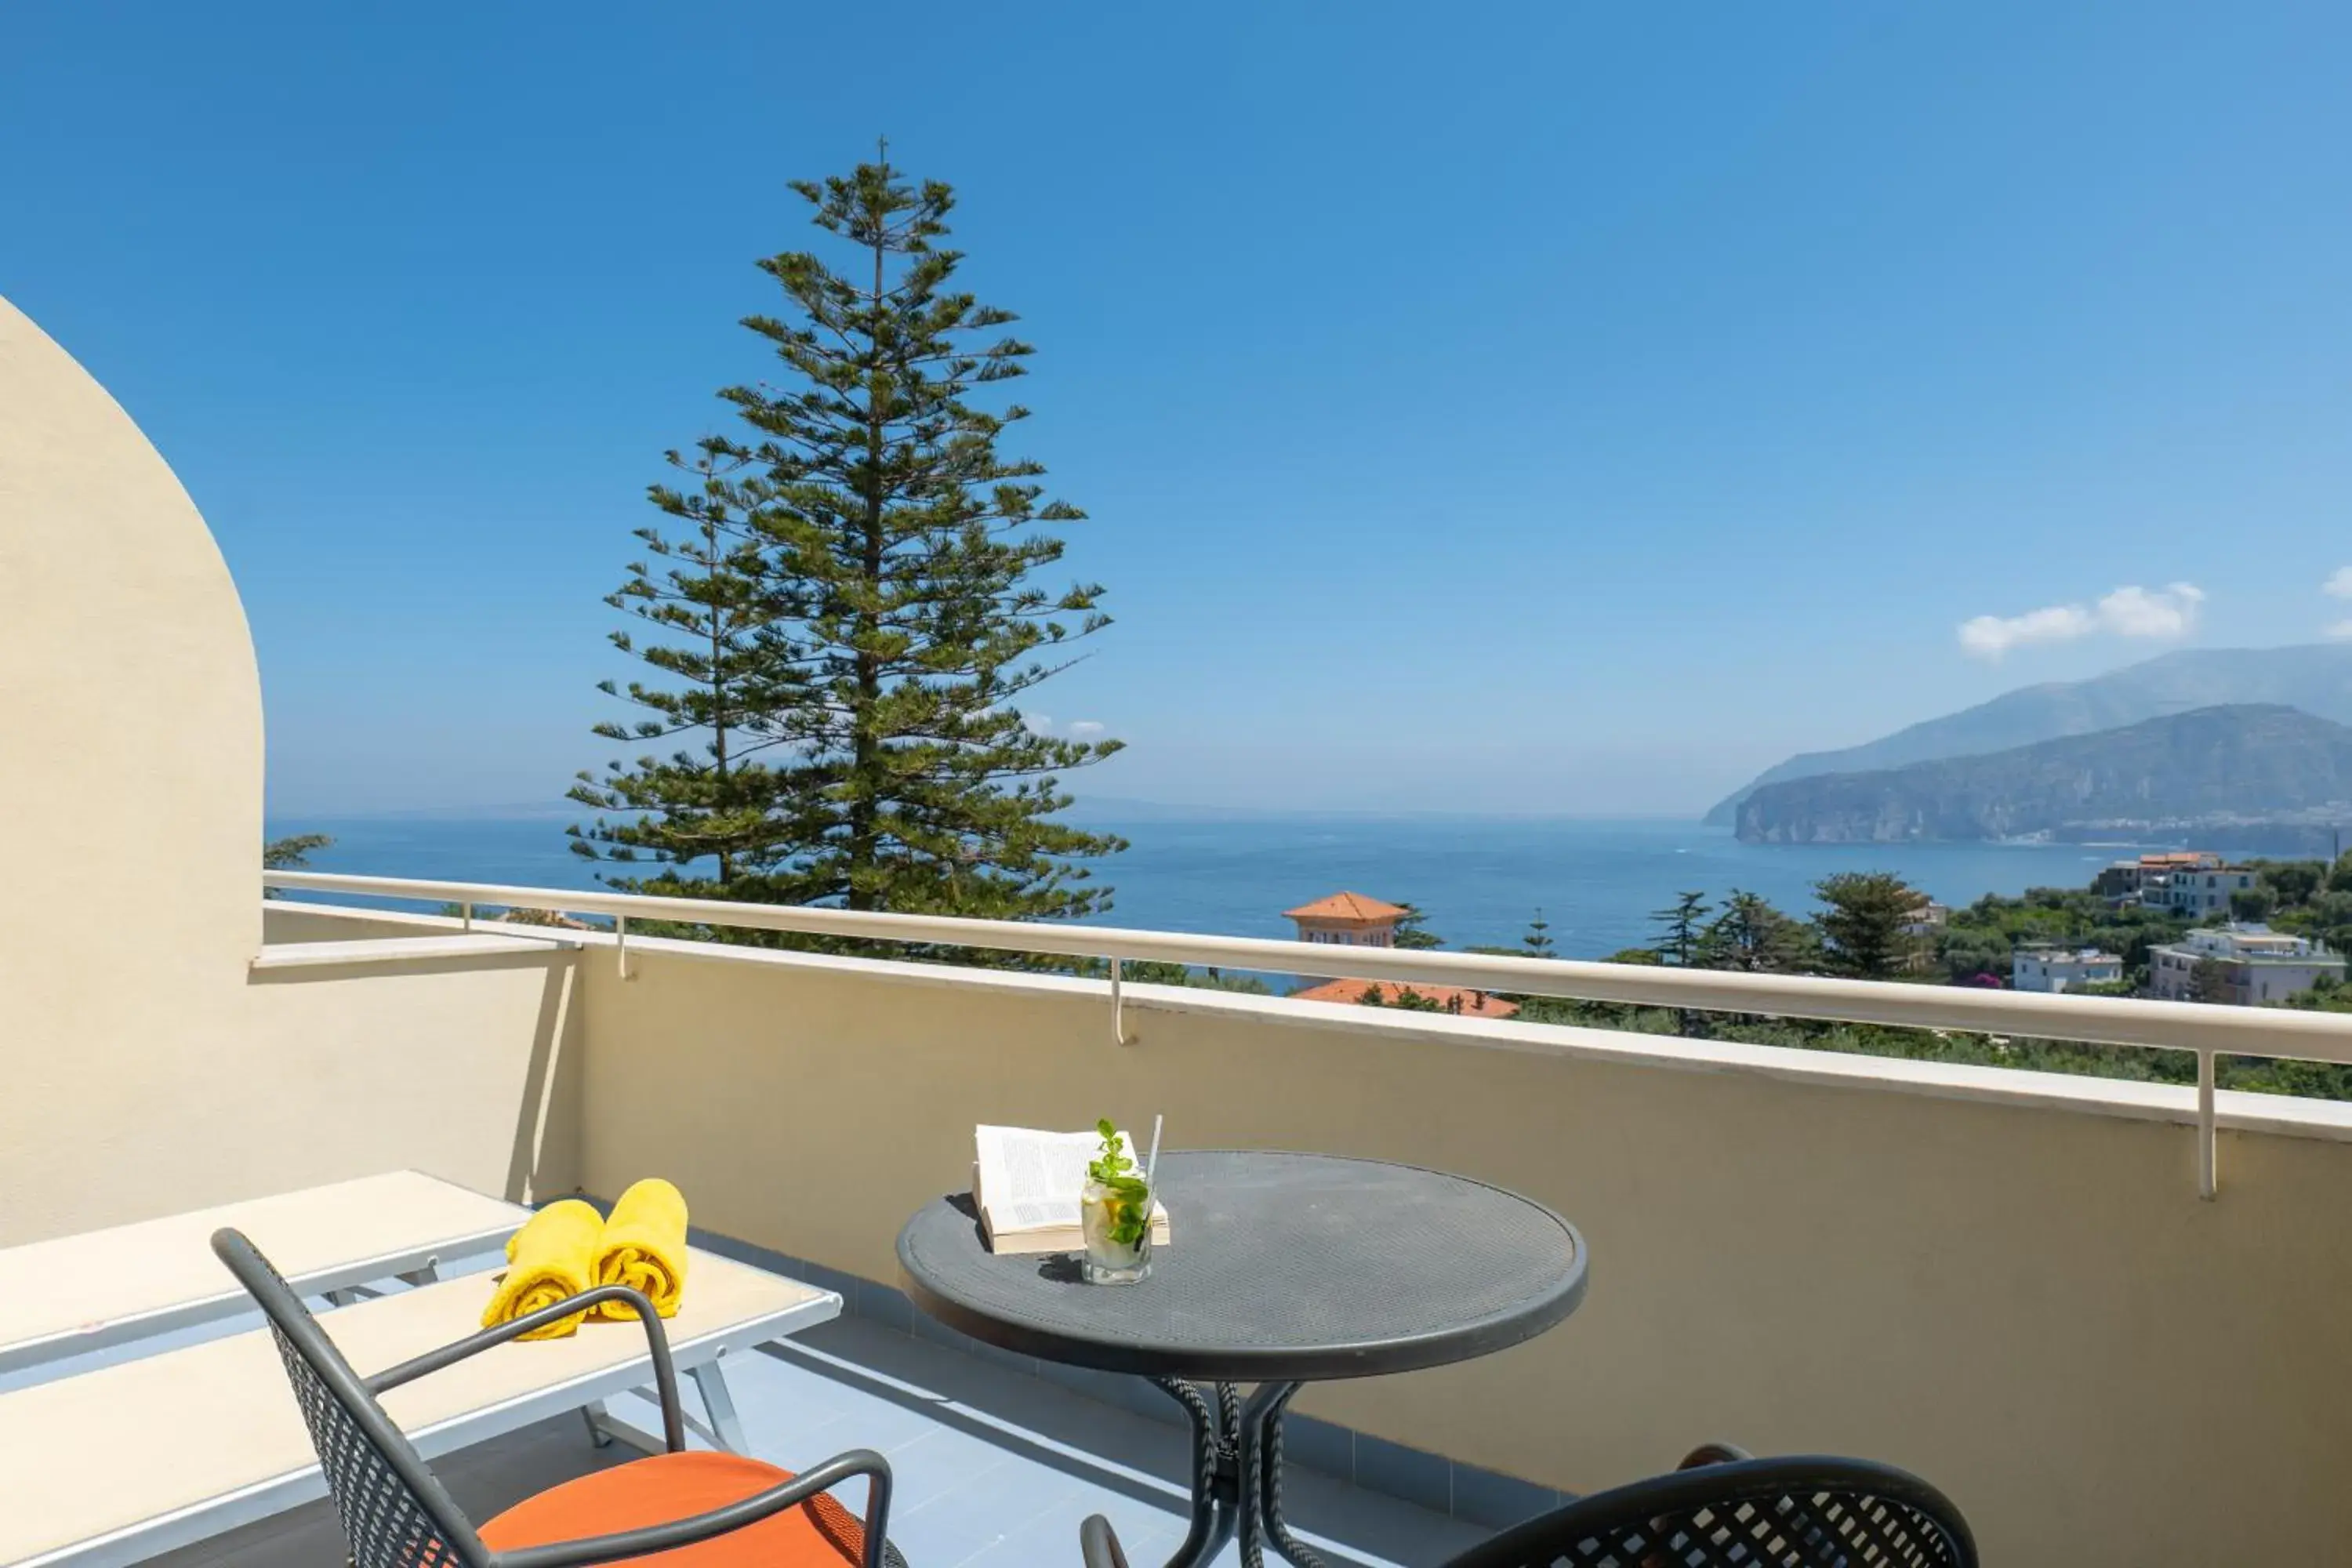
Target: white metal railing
(2206,1031)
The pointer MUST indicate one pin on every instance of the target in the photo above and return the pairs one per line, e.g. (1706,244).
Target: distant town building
(2146,879)
(2251,964)
(1926,920)
(2204,892)
(1351,919)
(1458,1000)
(2062,969)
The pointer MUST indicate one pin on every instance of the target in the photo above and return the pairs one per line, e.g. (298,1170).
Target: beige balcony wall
(147,1067)
(2020,1297)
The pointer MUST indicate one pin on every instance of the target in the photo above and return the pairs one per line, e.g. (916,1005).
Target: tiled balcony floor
(994,1468)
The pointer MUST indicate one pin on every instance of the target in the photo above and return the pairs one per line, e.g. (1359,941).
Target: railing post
(466,913)
(2207,1183)
(1117,1007)
(621,944)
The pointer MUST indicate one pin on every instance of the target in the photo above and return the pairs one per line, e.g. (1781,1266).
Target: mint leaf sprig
(1129,1200)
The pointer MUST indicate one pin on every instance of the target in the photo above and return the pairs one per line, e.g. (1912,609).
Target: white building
(2062,969)
(2256,963)
(2144,879)
(2204,892)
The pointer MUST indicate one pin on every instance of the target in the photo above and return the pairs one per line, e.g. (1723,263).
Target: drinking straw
(1151,1162)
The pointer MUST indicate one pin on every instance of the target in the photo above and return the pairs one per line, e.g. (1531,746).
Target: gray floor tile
(969,1519)
(945,1458)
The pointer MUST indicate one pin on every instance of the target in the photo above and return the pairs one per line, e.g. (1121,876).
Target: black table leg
(1277,1531)
(1216,1469)
(1236,1474)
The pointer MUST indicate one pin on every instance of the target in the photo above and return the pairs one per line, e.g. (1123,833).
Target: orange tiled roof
(1345,907)
(1457,1000)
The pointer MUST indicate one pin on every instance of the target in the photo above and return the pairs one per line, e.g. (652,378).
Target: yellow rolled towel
(644,1249)
(553,1255)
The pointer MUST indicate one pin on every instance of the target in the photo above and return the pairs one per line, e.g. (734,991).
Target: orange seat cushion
(818,1533)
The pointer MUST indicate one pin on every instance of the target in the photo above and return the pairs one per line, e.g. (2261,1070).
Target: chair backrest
(1805,1511)
(395,1514)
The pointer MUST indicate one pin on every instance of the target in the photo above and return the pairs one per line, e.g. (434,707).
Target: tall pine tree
(1678,938)
(888,622)
(1750,935)
(703,589)
(1864,923)
(1538,943)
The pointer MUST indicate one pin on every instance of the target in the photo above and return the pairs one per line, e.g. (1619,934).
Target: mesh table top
(1282,1267)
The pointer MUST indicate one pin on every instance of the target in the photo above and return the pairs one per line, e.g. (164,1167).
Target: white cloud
(2130,611)
(2339,586)
(1990,636)
(2341,631)
(1038,723)
(1085,729)
(2167,613)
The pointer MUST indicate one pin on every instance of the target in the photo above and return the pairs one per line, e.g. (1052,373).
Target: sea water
(1478,879)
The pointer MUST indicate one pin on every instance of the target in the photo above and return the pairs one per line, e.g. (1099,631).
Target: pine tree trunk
(867,789)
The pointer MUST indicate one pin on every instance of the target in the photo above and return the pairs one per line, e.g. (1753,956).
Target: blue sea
(1478,879)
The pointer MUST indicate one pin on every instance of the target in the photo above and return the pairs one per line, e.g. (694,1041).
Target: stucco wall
(2029,1305)
(146,1070)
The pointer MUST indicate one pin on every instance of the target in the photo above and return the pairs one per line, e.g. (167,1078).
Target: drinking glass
(1117,1219)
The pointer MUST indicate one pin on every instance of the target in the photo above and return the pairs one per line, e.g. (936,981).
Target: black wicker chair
(1723,1509)
(395,1513)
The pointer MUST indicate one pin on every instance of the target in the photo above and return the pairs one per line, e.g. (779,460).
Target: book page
(1028,1180)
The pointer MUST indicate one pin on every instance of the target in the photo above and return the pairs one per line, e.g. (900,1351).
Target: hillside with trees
(1869,927)
(2241,764)
(2315,678)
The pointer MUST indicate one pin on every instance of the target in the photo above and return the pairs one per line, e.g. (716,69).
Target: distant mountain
(2317,679)
(2236,765)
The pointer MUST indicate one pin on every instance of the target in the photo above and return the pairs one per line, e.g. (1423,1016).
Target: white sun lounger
(101,1287)
(114,1466)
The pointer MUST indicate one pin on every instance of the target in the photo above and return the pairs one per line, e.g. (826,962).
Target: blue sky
(1566,407)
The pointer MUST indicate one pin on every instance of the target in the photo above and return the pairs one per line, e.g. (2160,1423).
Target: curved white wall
(142,1071)
(128,699)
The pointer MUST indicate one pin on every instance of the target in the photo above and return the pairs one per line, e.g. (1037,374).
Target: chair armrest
(1098,1544)
(718,1522)
(656,1340)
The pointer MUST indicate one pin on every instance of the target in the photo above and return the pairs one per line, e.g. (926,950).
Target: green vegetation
(1752,936)
(1129,1201)
(1868,928)
(290,853)
(1412,930)
(293,851)
(1406,1000)
(1681,925)
(1978,940)
(1154,972)
(1538,943)
(839,611)
(1864,924)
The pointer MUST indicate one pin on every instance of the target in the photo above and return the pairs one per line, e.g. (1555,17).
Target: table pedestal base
(1236,1473)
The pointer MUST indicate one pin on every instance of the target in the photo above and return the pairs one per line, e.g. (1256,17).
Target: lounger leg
(427,1275)
(720,1406)
(593,1413)
(604,1427)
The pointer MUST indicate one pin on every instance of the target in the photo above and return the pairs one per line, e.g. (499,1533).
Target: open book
(1027,1185)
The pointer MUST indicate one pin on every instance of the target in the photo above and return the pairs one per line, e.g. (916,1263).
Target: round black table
(1282,1269)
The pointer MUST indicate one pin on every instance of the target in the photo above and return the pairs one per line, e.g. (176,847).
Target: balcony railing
(2205,1031)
